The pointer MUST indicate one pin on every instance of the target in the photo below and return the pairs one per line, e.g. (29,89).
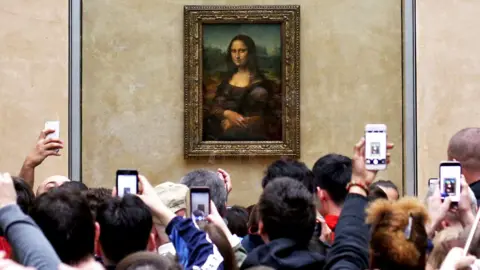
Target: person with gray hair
(210,179)
(464,147)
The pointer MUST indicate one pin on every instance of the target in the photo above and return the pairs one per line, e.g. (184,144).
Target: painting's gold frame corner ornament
(289,18)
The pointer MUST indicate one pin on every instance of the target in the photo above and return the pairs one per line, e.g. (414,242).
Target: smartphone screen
(200,203)
(450,173)
(376,146)
(55,125)
(127,182)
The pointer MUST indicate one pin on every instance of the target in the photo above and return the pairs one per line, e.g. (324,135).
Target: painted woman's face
(239,52)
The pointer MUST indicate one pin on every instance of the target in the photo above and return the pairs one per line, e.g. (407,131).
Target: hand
(43,149)
(226,179)
(235,118)
(8,195)
(217,220)
(151,199)
(359,171)
(465,210)
(326,235)
(7,264)
(226,124)
(456,260)
(437,210)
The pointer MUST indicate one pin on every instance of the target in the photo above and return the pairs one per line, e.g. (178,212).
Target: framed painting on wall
(242,81)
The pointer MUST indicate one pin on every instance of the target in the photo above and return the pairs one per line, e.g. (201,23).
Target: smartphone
(450,173)
(432,182)
(376,147)
(55,125)
(200,204)
(127,182)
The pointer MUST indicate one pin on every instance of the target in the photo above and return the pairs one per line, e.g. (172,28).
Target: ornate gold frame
(194,17)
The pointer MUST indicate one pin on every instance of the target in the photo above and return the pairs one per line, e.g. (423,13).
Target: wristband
(357,184)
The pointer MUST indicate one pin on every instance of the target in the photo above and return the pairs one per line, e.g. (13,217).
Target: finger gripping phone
(127,182)
(450,173)
(200,204)
(376,147)
(55,125)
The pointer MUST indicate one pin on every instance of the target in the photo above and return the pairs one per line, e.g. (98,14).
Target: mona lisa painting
(242,81)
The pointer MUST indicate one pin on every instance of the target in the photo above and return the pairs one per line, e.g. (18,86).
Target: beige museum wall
(33,79)
(448,78)
(351,74)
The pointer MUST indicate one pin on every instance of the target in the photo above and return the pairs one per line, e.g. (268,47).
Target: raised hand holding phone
(450,179)
(200,204)
(55,126)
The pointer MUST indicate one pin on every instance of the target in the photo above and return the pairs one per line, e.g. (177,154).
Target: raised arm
(43,149)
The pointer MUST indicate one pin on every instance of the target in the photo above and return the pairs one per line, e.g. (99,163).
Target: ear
(97,240)
(262,233)
(152,245)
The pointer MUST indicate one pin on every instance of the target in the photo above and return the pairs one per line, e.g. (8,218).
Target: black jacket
(349,250)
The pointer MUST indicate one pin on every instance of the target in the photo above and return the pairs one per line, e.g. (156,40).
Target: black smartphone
(200,204)
(450,173)
(127,182)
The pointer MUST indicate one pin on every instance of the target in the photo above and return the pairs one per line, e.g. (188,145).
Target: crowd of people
(336,215)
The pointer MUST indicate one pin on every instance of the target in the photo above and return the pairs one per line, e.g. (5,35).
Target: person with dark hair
(97,197)
(286,223)
(332,173)
(252,240)
(237,219)
(242,108)
(290,168)
(74,186)
(218,191)
(66,220)
(376,193)
(25,196)
(388,187)
(125,228)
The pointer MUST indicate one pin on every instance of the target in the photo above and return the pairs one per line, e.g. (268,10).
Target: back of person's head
(237,219)
(464,147)
(51,183)
(252,223)
(289,168)
(218,191)
(332,173)
(97,197)
(221,242)
(286,210)
(125,226)
(390,189)
(399,238)
(74,186)
(376,193)
(25,196)
(66,221)
(147,261)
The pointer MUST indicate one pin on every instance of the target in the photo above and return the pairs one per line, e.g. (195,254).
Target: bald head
(464,147)
(51,182)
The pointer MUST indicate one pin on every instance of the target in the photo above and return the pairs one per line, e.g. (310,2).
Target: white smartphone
(200,204)
(450,173)
(376,147)
(55,125)
(433,182)
(127,182)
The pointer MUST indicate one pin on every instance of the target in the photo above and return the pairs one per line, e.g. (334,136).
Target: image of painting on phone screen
(450,184)
(200,206)
(376,150)
(127,184)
